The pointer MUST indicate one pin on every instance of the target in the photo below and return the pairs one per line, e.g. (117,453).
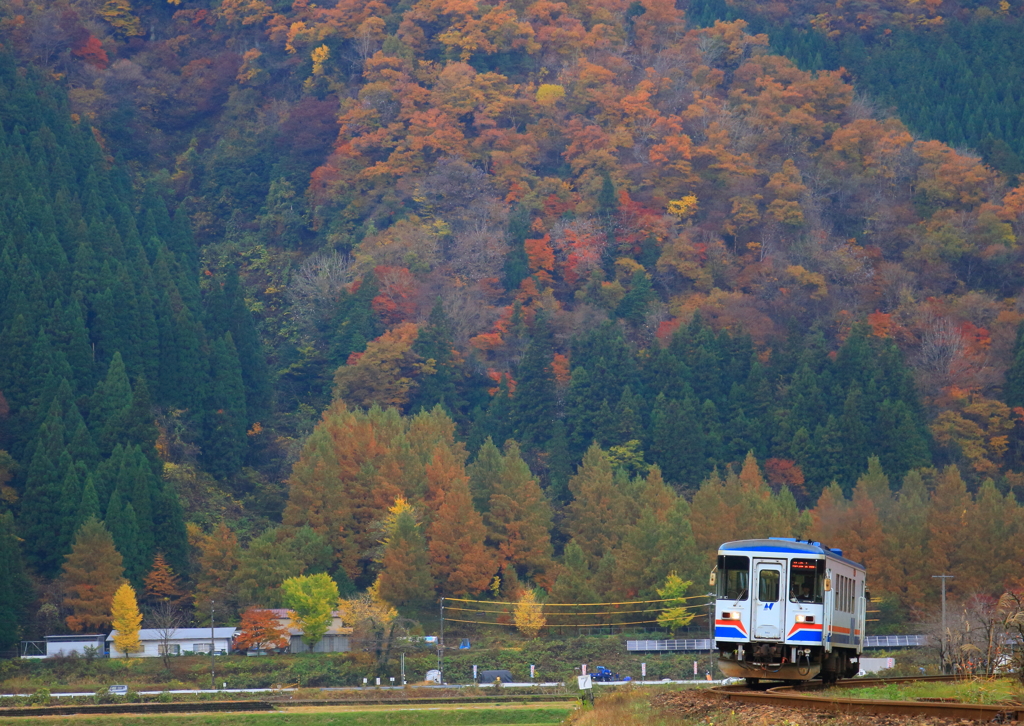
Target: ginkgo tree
(312,600)
(126,620)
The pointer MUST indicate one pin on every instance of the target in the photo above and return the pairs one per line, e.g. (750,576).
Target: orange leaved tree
(260,629)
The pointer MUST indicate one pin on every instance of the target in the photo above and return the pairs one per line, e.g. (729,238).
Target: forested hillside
(446,297)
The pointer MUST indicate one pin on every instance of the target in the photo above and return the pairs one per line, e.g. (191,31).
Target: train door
(826,621)
(769,611)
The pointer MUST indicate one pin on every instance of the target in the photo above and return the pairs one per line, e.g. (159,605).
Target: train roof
(787,545)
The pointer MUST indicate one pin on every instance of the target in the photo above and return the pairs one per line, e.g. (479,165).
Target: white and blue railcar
(788,610)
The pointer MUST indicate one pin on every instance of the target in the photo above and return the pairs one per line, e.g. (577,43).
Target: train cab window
(733,577)
(768,586)
(806,581)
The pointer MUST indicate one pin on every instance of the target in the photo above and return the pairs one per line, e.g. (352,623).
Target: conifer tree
(519,519)
(109,405)
(218,561)
(459,561)
(573,582)
(92,574)
(434,346)
(40,505)
(950,525)
(905,543)
(535,404)
(485,475)
(15,587)
(404,578)
(595,518)
(161,584)
(559,462)
(225,426)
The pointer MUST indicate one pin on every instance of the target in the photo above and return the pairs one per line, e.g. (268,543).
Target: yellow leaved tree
(676,615)
(529,614)
(126,619)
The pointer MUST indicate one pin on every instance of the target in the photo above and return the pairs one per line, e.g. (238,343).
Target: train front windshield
(733,577)
(807,581)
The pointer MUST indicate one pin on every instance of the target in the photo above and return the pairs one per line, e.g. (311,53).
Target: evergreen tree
(15,587)
(517,263)
(634,305)
(485,475)
(535,404)
(434,346)
(225,425)
(40,504)
(123,526)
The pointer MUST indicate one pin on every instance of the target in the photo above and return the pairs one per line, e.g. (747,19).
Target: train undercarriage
(756,661)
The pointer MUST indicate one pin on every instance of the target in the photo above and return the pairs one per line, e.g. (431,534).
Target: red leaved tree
(260,629)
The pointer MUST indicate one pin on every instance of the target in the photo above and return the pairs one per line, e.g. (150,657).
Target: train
(788,610)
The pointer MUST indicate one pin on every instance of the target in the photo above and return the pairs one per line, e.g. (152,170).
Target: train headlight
(731,615)
(805,618)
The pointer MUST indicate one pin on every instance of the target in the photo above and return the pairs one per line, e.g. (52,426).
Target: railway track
(802,697)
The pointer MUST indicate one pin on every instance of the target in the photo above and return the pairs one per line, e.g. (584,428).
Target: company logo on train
(788,610)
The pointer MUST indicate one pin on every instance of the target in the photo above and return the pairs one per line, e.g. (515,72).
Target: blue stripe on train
(729,632)
(806,636)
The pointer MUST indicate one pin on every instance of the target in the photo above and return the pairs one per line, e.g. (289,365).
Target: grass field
(977,690)
(485,715)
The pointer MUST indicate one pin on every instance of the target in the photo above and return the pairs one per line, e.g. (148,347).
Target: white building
(177,641)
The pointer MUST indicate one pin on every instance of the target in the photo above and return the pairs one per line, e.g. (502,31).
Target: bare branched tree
(317,285)
(166,617)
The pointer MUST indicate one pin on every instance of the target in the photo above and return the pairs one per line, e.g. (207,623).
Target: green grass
(980,690)
(448,717)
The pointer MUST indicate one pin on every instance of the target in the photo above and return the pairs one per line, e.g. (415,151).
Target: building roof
(197,635)
(76,638)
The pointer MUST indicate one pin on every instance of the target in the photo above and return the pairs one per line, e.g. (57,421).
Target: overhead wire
(579,604)
(553,625)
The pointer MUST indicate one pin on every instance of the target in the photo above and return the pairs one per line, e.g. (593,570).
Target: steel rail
(789,696)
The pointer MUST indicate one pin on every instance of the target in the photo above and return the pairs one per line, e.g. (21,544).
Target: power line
(554,625)
(605,612)
(580,604)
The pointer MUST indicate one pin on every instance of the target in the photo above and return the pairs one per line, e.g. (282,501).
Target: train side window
(768,586)
(733,577)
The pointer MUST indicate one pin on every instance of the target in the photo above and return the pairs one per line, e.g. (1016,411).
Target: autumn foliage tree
(162,585)
(259,629)
(312,600)
(92,573)
(126,620)
(404,577)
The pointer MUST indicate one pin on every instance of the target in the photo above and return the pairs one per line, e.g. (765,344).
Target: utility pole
(440,645)
(711,633)
(213,679)
(945,642)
